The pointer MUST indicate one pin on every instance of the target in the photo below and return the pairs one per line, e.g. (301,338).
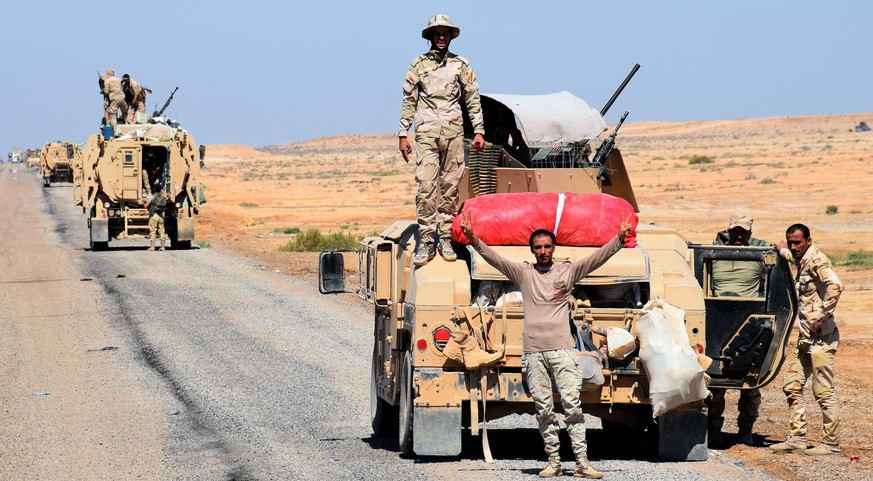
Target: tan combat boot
(475,357)
(162,245)
(823,450)
(453,349)
(586,471)
(151,245)
(552,469)
(794,444)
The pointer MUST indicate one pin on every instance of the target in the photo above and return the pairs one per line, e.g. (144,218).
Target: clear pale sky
(262,73)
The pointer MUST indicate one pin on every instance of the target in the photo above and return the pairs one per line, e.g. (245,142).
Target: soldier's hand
(625,228)
(478,142)
(405,150)
(467,229)
(781,245)
(815,327)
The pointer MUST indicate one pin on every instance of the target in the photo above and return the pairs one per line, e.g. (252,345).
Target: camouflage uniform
(113,100)
(818,288)
(138,101)
(567,375)
(157,209)
(432,94)
(750,399)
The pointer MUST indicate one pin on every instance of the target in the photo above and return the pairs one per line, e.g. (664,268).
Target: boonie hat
(440,20)
(743,222)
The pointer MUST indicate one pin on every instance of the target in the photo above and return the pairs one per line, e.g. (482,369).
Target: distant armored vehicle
(539,144)
(55,161)
(117,174)
(16,156)
(862,127)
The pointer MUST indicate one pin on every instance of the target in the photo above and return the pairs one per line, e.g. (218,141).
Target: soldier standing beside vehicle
(547,341)
(135,97)
(433,89)
(157,206)
(113,98)
(736,279)
(818,289)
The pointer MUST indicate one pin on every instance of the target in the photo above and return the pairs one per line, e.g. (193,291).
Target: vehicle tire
(46,182)
(99,246)
(406,408)
(383,416)
(182,245)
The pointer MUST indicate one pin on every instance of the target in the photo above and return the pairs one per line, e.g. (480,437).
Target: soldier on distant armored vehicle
(135,97)
(433,89)
(113,98)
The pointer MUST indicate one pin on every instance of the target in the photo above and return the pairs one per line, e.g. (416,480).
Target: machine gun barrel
(607,145)
(158,113)
(618,91)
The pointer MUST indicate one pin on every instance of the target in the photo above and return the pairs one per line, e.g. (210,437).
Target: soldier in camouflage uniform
(433,89)
(549,347)
(113,98)
(818,288)
(736,279)
(157,206)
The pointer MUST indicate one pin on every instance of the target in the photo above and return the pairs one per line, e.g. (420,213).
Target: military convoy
(55,160)
(428,401)
(118,170)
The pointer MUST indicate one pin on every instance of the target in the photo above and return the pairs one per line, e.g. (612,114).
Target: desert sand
(778,170)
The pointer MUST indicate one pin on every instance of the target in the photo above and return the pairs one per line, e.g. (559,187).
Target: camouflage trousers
(439,167)
(814,359)
(747,406)
(558,366)
(156,225)
(111,107)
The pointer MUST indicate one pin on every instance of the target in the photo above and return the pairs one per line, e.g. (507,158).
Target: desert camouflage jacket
(818,289)
(112,87)
(432,93)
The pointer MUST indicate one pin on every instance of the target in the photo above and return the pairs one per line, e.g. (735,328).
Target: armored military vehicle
(539,144)
(115,176)
(55,160)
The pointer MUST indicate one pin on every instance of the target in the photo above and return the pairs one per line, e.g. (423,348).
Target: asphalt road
(200,365)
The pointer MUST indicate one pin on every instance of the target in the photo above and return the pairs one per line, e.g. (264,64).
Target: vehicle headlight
(178,205)
(106,204)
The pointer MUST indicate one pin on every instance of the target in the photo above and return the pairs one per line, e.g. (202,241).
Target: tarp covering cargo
(581,220)
(553,118)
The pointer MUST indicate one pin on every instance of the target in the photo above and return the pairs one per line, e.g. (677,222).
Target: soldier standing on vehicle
(435,85)
(113,98)
(548,343)
(818,289)
(157,206)
(135,97)
(736,279)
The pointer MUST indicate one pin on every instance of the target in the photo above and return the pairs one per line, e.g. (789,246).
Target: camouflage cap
(440,20)
(743,222)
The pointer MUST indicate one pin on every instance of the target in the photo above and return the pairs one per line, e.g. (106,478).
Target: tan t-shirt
(546,294)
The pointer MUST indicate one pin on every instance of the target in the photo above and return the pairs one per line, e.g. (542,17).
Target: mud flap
(99,230)
(185,229)
(682,433)
(437,431)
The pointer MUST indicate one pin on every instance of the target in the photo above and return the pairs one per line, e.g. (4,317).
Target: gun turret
(158,113)
(607,145)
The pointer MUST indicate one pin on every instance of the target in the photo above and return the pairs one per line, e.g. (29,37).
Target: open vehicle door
(750,307)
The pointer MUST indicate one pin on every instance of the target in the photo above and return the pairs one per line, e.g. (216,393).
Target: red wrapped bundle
(584,220)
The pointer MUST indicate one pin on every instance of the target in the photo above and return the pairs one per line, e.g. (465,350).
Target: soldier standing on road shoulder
(433,89)
(818,289)
(157,206)
(737,279)
(113,98)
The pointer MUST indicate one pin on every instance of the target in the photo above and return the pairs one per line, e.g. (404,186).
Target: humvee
(55,160)
(538,144)
(115,176)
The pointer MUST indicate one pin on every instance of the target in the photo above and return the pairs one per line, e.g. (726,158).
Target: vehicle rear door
(747,324)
